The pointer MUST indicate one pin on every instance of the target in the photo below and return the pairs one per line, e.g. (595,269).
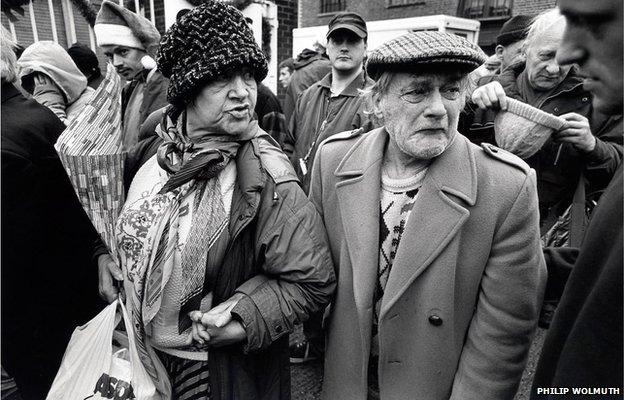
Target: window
(399,3)
(332,6)
(478,9)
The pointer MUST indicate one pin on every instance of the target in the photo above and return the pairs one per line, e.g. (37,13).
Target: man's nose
(435,107)
(117,60)
(553,67)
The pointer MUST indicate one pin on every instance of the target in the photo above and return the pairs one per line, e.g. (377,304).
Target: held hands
(491,95)
(216,327)
(108,276)
(577,132)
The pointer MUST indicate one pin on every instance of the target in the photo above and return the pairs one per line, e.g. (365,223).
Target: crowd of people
(395,203)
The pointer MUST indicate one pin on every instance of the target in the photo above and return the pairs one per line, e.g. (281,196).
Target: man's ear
(376,100)
(499,51)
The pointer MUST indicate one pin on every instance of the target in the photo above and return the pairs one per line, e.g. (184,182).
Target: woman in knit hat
(221,251)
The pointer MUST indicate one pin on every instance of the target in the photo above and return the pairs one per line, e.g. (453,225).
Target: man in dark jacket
(49,283)
(129,40)
(333,104)
(329,106)
(583,348)
(309,67)
(591,143)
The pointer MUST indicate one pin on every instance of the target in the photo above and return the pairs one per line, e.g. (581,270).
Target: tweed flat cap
(427,48)
(205,43)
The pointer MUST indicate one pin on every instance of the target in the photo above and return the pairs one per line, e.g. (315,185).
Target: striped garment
(190,379)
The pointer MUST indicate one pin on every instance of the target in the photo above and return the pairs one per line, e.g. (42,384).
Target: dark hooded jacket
(310,67)
(49,283)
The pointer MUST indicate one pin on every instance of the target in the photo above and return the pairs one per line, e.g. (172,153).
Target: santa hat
(116,25)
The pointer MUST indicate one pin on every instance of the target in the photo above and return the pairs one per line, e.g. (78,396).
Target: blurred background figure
(489,68)
(48,73)
(49,280)
(286,69)
(309,67)
(87,62)
(583,347)
(509,40)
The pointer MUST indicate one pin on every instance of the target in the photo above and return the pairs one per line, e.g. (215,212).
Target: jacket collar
(508,79)
(452,172)
(451,176)
(360,82)
(9,91)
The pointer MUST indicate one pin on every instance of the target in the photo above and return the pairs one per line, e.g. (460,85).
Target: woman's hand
(491,95)
(108,274)
(216,327)
(577,132)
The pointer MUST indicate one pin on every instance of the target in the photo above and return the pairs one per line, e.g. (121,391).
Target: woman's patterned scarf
(193,167)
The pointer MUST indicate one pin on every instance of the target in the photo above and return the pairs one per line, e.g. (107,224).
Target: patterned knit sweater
(396,202)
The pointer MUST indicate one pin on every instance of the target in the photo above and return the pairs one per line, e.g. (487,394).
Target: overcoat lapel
(435,219)
(358,194)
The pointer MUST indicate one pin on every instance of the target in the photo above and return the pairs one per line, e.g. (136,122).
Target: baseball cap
(350,21)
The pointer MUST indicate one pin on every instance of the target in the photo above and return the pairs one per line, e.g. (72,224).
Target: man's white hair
(8,60)
(544,22)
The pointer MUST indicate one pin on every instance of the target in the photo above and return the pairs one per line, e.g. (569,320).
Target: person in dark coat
(583,348)
(87,62)
(310,66)
(270,116)
(591,144)
(49,281)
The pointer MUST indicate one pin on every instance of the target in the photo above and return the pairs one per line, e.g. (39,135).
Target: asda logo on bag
(109,387)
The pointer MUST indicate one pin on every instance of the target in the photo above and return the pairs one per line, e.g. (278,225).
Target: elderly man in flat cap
(435,240)
(130,41)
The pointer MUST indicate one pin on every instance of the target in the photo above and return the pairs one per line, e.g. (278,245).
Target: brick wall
(287,20)
(532,7)
(24,33)
(373,10)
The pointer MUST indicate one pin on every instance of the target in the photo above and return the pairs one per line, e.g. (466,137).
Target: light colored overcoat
(462,300)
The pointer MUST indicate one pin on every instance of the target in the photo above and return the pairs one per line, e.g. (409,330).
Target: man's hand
(577,132)
(108,273)
(491,95)
(216,327)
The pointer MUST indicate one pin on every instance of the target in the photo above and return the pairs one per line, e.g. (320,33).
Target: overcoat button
(435,320)
(278,328)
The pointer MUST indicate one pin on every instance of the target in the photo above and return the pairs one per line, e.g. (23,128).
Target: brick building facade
(491,13)
(61,21)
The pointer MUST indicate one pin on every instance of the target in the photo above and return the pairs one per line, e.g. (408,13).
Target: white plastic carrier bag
(94,369)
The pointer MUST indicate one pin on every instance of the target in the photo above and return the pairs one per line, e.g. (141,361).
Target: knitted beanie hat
(85,59)
(523,129)
(428,48)
(207,42)
(116,25)
(514,29)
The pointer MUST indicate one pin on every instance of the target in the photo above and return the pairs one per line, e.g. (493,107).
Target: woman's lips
(239,112)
